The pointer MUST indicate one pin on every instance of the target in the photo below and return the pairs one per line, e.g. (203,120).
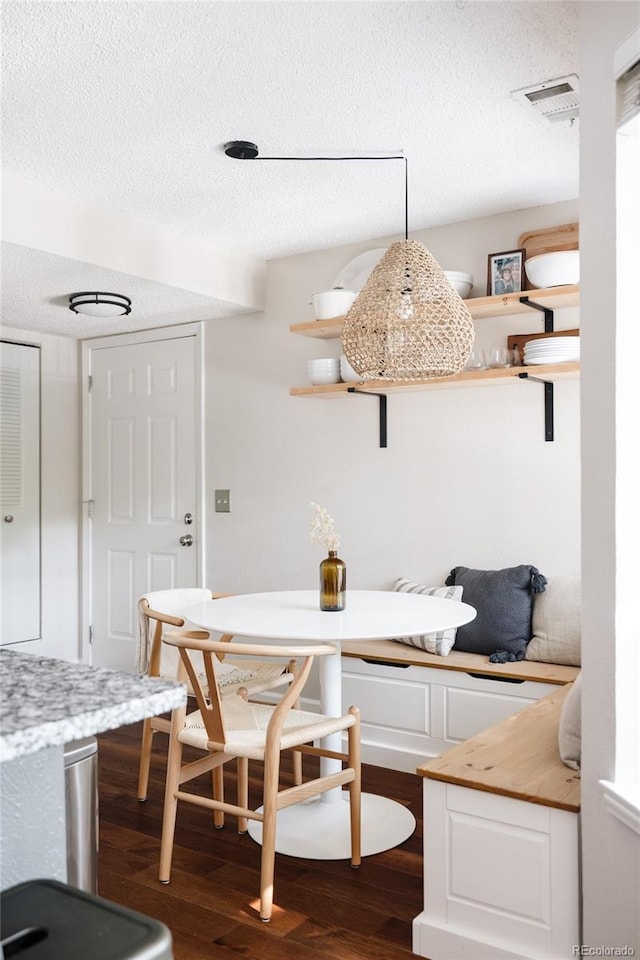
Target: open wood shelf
(480,308)
(469,378)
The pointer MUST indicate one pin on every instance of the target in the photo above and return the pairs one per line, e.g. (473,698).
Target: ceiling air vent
(553,100)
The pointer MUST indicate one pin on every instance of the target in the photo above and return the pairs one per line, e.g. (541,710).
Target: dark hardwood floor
(323,909)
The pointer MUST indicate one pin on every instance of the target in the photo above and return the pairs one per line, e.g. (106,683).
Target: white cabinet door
(20,491)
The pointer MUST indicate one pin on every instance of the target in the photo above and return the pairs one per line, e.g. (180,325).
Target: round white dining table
(318,829)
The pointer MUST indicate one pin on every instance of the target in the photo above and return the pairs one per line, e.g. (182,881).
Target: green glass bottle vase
(333,582)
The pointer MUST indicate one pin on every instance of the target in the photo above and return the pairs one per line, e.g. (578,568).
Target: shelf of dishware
(480,308)
(492,376)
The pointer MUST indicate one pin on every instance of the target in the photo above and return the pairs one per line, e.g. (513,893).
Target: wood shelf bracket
(548,313)
(548,403)
(382,397)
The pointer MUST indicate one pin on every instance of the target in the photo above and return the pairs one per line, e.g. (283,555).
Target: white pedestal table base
(319,829)
(315,830)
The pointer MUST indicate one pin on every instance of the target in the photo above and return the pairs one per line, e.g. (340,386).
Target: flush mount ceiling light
(100,304)
(407,322)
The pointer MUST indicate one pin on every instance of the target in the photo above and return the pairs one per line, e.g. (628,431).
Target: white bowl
(347,373)
(332,303)
(319,377)
(323,364)
(461,282)
(323,370)
(553,269)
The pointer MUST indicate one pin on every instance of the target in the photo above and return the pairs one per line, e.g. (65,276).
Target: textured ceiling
(36,288)
(127,105)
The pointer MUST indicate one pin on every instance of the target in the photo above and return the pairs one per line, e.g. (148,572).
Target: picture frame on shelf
(505,272)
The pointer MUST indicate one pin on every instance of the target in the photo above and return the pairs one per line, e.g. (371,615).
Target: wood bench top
(517,757)
(389,651)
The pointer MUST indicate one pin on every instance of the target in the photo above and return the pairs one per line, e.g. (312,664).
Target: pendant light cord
(406,199)
(399,156)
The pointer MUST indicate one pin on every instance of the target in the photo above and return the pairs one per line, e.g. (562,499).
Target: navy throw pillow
(503,600)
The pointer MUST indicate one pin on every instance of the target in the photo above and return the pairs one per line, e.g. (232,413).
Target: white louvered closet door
(19,491)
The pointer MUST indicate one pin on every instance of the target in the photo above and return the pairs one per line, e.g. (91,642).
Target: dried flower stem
(321,528)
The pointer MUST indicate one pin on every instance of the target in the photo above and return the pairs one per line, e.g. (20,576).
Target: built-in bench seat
(416,705)
(517,758)
(501,809)
(501,855)
(388,651)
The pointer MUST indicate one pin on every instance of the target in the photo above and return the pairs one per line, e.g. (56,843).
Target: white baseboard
(391,758)
(444,943)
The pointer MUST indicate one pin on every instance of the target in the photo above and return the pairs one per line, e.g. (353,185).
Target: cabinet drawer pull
(386,663)
(488,676)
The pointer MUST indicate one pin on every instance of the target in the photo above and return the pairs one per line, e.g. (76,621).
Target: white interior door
(20,491)
(143,485)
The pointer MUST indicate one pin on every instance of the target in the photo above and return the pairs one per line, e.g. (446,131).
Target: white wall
(35,216)
(467,478)
(611,851)
(60,469)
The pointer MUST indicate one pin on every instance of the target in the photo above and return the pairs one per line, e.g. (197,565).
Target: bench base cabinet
(501,878)
(410,713)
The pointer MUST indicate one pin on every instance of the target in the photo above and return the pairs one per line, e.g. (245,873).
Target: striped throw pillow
(441,642)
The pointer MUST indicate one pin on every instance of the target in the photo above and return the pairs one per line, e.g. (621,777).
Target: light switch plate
(223,501)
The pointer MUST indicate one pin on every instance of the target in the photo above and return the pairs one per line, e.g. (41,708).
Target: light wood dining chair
(225,728)
(159,614)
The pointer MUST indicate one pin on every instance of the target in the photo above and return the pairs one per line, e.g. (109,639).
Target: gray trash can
(49,920)
(81,808)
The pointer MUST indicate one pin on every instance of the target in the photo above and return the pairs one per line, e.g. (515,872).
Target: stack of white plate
(552,350)
(326,370)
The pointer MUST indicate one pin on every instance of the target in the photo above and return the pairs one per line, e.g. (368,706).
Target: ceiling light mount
(100,304)
(241,150)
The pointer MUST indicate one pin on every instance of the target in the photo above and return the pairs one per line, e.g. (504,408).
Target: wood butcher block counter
(517,757)
(501,853)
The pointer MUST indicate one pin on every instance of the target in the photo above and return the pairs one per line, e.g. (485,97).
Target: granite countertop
(46,702)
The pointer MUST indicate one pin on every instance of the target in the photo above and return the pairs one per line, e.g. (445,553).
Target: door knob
(8,518)
(186,540)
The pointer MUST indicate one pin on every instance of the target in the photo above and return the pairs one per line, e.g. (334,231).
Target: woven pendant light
(407,322)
